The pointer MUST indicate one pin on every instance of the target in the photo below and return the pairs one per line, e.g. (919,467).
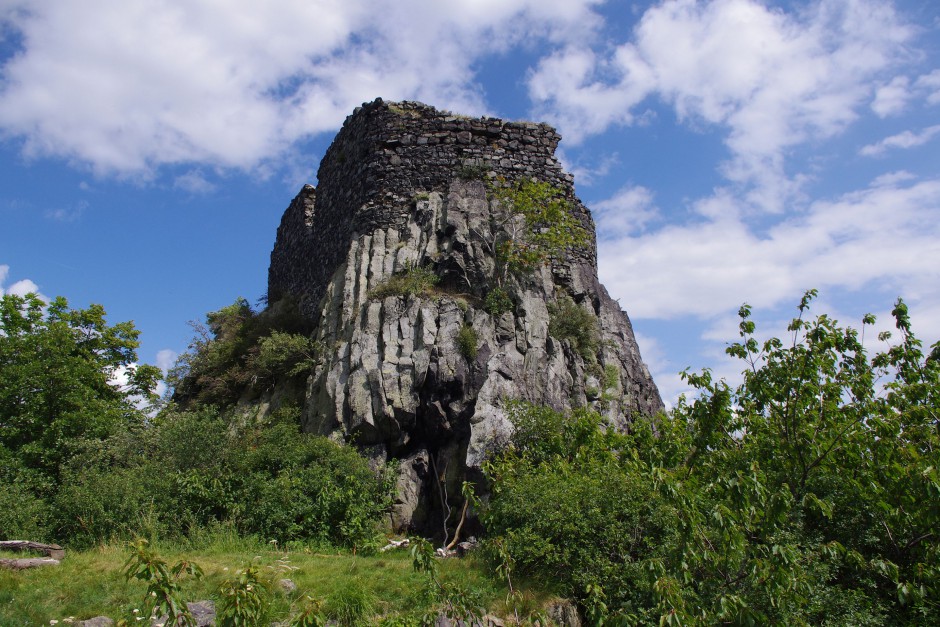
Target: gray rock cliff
(405,186)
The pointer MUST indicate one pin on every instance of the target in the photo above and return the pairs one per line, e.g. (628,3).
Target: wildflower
(136,611)
(53,622)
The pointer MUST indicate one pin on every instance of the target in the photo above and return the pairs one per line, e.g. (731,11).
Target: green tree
(531,223)
(808,494)
(239,350)
(59,371)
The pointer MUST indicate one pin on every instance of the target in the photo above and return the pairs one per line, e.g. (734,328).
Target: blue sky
(731,150)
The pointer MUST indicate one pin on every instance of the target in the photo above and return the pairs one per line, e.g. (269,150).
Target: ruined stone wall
(402,185)
(385,156)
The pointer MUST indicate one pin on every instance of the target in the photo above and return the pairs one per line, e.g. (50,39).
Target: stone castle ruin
(423,375)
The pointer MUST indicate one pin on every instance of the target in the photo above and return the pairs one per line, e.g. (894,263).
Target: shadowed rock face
(402,186)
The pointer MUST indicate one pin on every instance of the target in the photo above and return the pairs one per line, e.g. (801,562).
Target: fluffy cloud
(892,98)
(626,212)
(19,288)
(128,86)
(166,358)
(885,233)
(907,139)
(772,79)
(930,83)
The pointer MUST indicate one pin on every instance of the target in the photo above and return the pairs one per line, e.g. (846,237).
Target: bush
(23,515)
(571,515)
(194,469)
(467,340)
(569,321)
(238,348)
(805,495)
(414,280)
(304,487)
(497,302)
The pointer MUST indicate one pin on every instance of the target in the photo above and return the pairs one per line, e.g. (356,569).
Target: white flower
(53,622)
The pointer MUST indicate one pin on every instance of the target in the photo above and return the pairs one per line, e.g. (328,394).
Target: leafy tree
(808,494)
(531,223)
(239,350)
(59,369)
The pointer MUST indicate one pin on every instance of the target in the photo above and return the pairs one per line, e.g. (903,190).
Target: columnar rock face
(405,186)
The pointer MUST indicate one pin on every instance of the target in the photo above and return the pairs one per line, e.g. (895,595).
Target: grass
(91,583)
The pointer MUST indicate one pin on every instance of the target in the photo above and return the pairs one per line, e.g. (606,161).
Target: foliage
(22,513)
(456,601)
(238,349)
(414,280)
(245,599)
(497,301)
(59,373)
(283,355)
(301,486)
(472,172)
(808,494)
(350,605)
(163,590)
(467,342)
(310,615)
(194,469)
(569,321)
(532,223)
(569,510)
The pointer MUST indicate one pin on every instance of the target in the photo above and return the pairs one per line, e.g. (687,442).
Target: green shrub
(353,605)
(238,348)
(414,280)
(283,355)
(298,486)
(467,341)
(569,514)
(246,599)
(569,321)
(195,469)
(497,302)
(23,515)
(472,172)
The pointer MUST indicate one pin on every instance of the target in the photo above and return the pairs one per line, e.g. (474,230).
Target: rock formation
(406,187)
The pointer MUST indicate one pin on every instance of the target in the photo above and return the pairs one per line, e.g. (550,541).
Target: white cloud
(907,139)
(18,288)
(166,358)
(930,83)
(586,174)
(772,79)
(891,99)
(67,214)
(627,212)
(129,86)
(194,182)
(884,233)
